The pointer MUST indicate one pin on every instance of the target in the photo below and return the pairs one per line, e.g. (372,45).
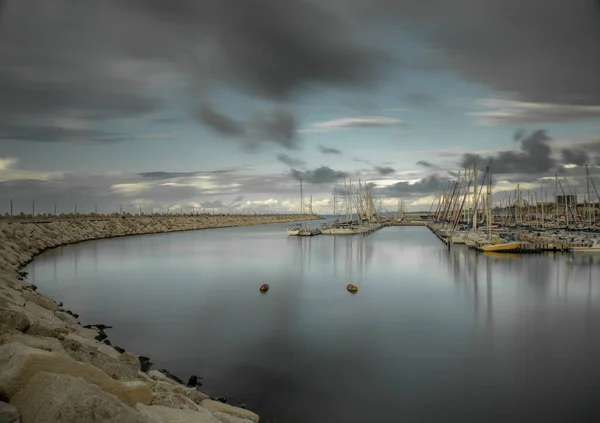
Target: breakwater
(52,369)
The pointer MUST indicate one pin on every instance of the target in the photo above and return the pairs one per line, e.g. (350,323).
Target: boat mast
(301,199)
(489,201)
(589,198)
(475,194)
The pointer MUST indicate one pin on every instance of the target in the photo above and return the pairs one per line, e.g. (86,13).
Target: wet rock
(119,349)
(145,363)
(106,342)
(101,336)
(192,381)
(9,413)
(60,398)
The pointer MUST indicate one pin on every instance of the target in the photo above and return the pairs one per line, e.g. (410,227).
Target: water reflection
(510,335)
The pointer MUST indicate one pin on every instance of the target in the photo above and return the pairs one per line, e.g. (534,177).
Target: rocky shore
(53,370)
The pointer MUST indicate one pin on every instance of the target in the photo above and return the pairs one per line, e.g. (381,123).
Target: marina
(462,214)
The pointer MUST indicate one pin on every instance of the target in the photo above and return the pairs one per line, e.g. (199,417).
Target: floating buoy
(264,288)
(352,288)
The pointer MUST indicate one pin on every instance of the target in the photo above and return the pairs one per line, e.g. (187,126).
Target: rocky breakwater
(53,370)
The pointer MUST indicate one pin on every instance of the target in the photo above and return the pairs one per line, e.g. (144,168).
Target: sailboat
(295,231)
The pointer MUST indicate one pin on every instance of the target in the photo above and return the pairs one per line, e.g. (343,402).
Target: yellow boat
(506,247)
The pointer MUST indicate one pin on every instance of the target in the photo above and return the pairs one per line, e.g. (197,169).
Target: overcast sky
(227,104)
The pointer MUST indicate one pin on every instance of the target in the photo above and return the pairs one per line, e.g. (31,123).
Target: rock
(216,406)
(171,376)
(107,342)
(13,296)
(120,350)
(173,400)
(9,413)
(161,377)
(192,381)
(40,299)
(99,327)
(162,414)
(19,363)
(59,398)
(145,363)
(66,317)
(85,332)
(39,342)
(228,418)
(101,336)
(96,354)
(13,320)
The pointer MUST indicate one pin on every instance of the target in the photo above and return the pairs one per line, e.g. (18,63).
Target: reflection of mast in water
(335,256)
(475,290)
(75,262)
(489,290)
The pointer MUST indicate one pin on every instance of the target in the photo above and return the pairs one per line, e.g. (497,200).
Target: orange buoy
(352,288)
(264,288)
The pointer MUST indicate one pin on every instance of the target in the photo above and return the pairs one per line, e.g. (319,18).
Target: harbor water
(433,334)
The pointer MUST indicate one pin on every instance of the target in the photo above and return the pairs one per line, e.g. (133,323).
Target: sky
(226,105)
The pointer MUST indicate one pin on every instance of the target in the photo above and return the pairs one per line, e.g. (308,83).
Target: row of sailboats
(360,215)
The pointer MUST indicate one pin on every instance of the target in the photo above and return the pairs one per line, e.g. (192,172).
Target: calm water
(432,336)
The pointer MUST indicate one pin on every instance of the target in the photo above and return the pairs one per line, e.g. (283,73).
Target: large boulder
(217,406)
(19,363)
(40,299)
(9,413)
(13,320)
(162,414)
(39,342)
(60,398)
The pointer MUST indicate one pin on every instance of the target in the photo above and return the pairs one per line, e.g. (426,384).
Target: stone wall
(54,370)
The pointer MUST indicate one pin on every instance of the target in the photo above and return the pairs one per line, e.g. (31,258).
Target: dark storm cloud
(504,53)
(428,185)
(278,127)
(425,163)
(327,150)
(290,161)
(100,60)
(384,170)
(534,157)
(220,122)
(575,156)
(321,175)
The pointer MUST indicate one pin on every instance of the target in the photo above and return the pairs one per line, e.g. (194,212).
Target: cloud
(327,150)
(425,163)
(509,112)
(219,122)
(278,127)
(67,64)
(575,156)
(534,157)
(354,122)
(217,204)
(384,170)
(9,171)
(321,175)
(426,185)
(290,161)
(421,99)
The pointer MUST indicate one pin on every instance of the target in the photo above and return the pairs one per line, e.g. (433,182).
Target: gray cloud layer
(321,175)
(328,150)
